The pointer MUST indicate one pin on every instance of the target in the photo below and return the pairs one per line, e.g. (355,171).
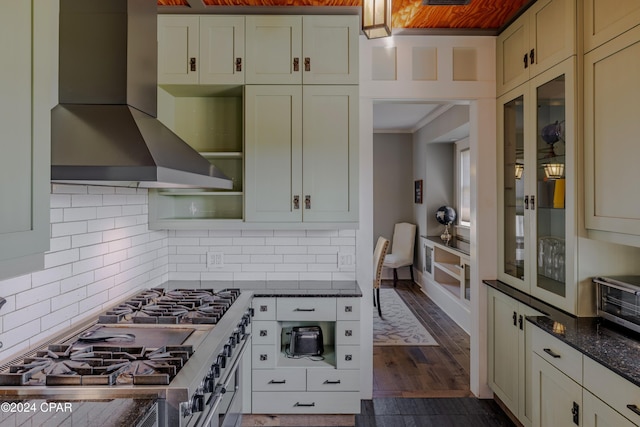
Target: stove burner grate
(61,365)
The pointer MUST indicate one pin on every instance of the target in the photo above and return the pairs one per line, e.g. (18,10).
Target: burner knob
(197,402)
(222,360)
(251,313)
(238,336)
(215,370)
(227,349)
(233,340)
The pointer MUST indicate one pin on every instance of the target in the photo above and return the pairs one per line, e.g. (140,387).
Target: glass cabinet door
(513,239)
(553,209)
(549,205)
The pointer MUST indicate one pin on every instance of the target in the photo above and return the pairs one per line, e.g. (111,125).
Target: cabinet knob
(533,202)
(263,332)
(348,333)
(192,64)
(526,202)
(307,202)
(348,357)
(263,308)
(532,56)
(307,63)
(526,60)
(263,357)
(296,64)
(348,309)
(296,202)
(238,64)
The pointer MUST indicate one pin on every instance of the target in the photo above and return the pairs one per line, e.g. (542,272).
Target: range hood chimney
(105,131)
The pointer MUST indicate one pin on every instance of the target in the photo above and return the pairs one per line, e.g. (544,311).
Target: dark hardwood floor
(426,371)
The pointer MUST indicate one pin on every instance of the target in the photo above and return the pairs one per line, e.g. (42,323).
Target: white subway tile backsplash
(33,296)
(54,259)
(33,311)
(100,250)
(79,200)
(280,255)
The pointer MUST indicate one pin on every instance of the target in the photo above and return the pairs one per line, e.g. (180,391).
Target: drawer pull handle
(551,353)
(278,382)
(332,382)
(263,357)
(348,333)
(263,332)
(305,404)
(348,309)
(634,409)
(264,308)
(304,309)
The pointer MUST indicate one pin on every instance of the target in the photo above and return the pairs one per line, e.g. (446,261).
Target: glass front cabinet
(536,132)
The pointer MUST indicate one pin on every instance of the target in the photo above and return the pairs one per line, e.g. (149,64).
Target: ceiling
(485,15)
(408,16)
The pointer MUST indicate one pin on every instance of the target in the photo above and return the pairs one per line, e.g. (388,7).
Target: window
(463,182)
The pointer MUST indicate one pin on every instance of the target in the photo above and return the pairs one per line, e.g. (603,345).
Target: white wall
(101,251)
(392,182)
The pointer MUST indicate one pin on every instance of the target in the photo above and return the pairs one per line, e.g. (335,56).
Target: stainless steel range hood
(105,131)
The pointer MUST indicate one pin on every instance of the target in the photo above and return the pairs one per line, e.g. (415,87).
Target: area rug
(398,326)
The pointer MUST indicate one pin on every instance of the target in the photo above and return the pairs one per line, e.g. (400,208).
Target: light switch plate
(215,260)
(346,260)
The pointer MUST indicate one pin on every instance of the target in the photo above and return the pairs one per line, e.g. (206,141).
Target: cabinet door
(221,49)
(512,52)
(178,49)
(513,240)
(330,45)
(274,49)
(25,48)
(599,414)
(330,146)
(557,399)
(503,348)
(552,200)
(603,22)
(552,26)
(611,126)
(273,153)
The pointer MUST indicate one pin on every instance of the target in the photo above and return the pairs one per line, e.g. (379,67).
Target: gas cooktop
(180,306)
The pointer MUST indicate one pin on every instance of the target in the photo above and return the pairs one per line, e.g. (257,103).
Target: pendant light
(376,18)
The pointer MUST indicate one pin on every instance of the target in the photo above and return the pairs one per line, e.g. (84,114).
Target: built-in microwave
(619,300)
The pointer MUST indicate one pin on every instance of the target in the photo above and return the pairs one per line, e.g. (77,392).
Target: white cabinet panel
(603,22)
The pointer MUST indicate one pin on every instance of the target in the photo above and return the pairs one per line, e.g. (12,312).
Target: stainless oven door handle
(231,371)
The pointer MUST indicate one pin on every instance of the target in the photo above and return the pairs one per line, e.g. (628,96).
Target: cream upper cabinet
(611,129)
(301,152)
(200,49)
(509,345)
(542,37)
(537,208)
(604,20)
(26,34)
(302,49)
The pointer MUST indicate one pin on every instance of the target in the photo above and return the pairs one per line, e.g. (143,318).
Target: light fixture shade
(554,170)
(519,170)
(376,18)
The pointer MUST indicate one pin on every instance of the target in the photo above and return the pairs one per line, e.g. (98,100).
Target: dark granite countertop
(616,348)
(284,288)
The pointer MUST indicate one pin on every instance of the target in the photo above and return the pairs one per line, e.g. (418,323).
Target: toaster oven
(619,300)
(306,341)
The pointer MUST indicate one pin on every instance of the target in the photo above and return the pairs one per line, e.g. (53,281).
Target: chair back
(382,245)
(404,238)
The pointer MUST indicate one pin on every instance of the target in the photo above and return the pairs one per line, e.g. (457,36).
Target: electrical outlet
(345,260)
(215,260)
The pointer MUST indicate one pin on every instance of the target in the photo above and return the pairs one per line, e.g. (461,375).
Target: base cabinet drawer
(333,380)
(348,332)
(306,309)
(278,380)
(561,355)
(348,357)
(263,356)
(264,332)
(311,402)
(620,394)
(264,308)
